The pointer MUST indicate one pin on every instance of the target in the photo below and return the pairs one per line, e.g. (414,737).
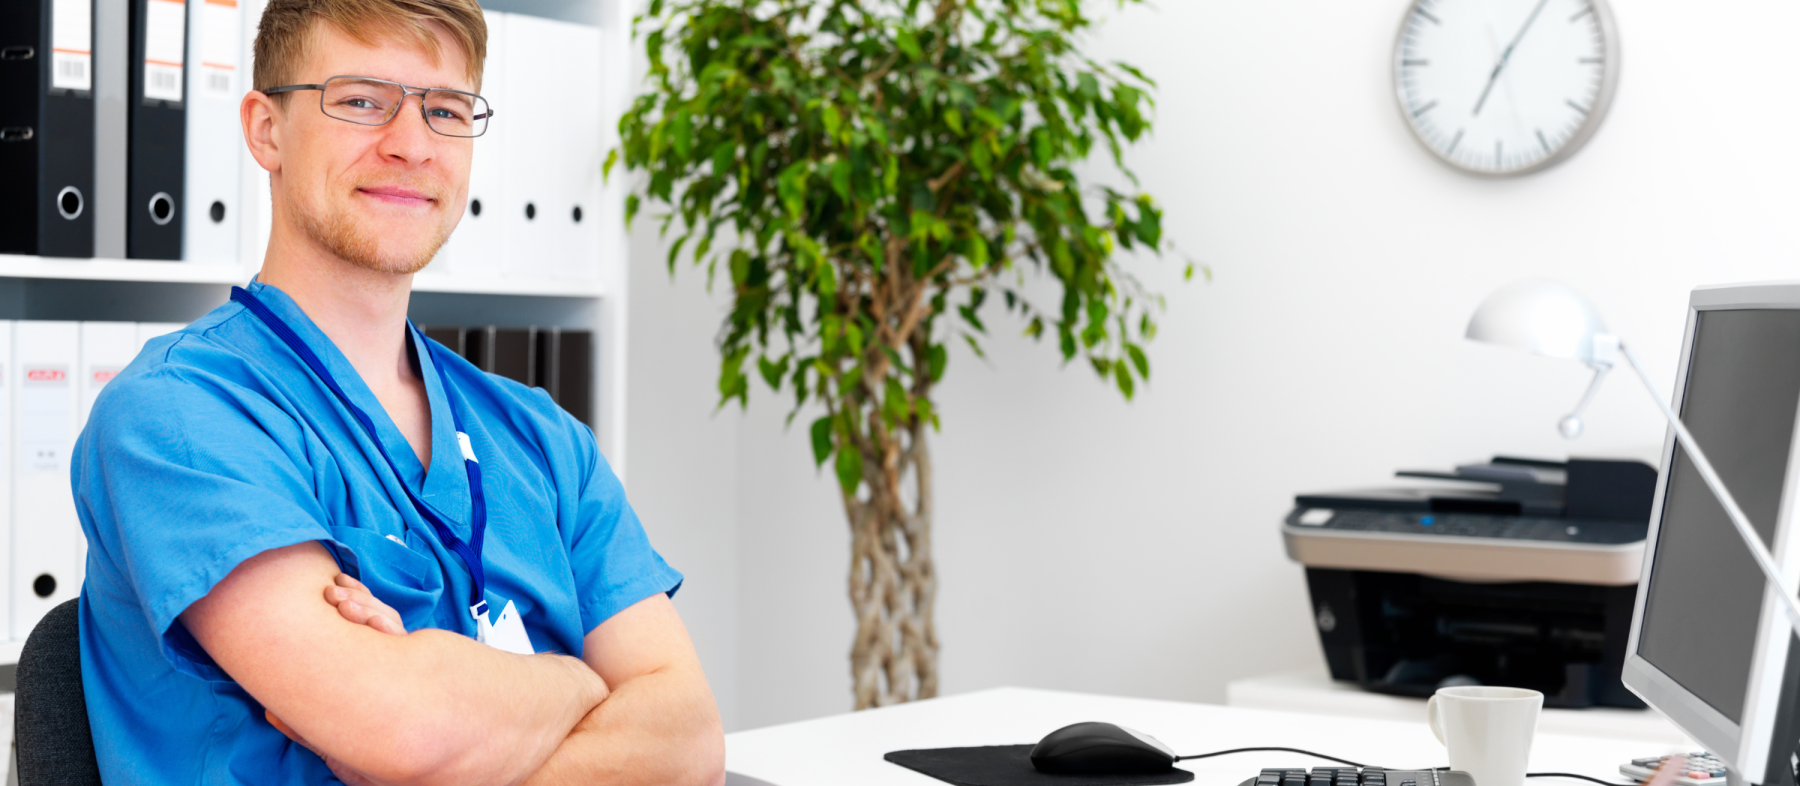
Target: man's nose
(408,136)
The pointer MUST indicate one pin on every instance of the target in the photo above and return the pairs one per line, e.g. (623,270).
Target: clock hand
(1507,55)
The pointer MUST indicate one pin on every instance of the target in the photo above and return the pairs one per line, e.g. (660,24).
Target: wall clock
(1505,87)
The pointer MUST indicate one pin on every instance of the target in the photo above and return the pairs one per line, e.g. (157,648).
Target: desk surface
(1313,692)
(847,749)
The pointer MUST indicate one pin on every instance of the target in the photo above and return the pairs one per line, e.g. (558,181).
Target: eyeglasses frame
(405,90)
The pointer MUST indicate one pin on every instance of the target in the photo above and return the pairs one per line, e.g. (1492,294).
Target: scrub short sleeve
(180,476)
(609,552)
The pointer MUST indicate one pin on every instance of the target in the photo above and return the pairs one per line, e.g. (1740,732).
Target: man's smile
(397,195)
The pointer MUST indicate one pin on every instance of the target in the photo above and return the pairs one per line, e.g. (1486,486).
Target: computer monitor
(1710,646)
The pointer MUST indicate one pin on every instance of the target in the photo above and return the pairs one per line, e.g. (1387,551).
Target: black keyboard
(1351,776)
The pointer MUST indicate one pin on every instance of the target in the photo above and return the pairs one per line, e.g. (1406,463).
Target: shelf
(16,266)
(427,282)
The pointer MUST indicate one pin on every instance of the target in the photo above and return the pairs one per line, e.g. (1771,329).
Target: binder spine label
(72,45)
(44,417)
(165,43)
(219,47)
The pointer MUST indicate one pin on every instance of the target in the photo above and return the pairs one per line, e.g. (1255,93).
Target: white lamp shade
(1541,316)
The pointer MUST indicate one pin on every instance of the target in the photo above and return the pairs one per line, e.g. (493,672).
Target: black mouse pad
(1010,765)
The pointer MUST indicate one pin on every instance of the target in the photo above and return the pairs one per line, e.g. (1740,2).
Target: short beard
(344,237)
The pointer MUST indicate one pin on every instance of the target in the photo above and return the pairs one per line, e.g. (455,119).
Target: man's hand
(357,604)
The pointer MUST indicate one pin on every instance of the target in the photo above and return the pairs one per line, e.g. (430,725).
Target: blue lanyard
(470,551)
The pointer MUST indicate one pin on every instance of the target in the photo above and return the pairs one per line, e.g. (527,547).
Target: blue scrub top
(217,444)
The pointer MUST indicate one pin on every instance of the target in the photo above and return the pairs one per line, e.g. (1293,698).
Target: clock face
(1505,87)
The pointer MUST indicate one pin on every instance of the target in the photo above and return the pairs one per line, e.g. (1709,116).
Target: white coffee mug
(1488,730)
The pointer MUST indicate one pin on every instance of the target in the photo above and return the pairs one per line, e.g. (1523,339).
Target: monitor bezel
(1743,746)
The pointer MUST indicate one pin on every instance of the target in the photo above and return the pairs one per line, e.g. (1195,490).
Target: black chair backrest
(50,726)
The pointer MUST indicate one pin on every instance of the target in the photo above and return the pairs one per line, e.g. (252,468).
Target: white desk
(1315,693)
(847,749)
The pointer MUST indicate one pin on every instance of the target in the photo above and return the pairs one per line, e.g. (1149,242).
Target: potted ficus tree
(867,174)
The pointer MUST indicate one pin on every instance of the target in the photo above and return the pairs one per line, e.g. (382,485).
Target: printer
(1514,572)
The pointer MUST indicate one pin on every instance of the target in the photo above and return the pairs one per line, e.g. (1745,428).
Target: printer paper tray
(1466,558)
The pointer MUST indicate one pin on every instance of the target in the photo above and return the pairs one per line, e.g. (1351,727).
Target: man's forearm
(660,728)
(476,714)
(426,707)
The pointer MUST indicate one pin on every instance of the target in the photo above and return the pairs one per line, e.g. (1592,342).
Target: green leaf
(840,179)
(772,372)
(908,43)
(1138,360)
(1123,375)
(953,119)
(849,469)
(938,357)
(974,346)
(821,440)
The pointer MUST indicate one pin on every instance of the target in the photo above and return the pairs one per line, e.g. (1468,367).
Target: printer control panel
(1599,532)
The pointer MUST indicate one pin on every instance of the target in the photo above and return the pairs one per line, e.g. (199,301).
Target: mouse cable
(1275,750)
(1317,755)
(1575,776)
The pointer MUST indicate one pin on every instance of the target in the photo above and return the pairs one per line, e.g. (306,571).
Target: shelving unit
(154,291)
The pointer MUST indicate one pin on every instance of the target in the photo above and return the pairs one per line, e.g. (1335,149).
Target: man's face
(380,197)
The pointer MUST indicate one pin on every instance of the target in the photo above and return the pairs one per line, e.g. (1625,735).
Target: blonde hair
(285,32)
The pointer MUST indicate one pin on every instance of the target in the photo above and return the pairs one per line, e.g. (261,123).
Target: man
(286,576)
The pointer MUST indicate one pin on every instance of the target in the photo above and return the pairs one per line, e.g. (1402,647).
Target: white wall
(1090,544)
(683,467)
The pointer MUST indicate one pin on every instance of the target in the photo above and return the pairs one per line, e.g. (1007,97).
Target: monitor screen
(1705,595)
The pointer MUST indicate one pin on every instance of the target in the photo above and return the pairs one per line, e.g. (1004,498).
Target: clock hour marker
(1575,106)
(1415,62)
(1434,20)
(1582,13)
(1497,160)
(1454,142)
(1591,60)
(1542,140)
(1424,109)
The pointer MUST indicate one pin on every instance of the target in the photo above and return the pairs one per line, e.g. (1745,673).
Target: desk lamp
(1549,319)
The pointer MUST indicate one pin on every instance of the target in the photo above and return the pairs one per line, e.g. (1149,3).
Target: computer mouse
(1100,748)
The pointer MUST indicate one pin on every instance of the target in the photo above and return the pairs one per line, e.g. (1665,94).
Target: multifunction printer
(1514,572)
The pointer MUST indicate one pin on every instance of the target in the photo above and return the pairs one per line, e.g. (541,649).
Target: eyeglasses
(366,101)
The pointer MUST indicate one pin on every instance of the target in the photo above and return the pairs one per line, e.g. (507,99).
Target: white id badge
(506,634)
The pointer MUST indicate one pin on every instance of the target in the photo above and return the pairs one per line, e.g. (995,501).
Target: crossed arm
(336,672)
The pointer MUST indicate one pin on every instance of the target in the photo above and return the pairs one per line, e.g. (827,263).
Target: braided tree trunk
(893,585)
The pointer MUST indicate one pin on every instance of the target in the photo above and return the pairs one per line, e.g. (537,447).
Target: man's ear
(259,114)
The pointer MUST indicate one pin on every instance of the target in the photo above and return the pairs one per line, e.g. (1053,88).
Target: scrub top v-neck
(218,443)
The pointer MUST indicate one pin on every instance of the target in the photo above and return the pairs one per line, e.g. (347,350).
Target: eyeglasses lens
(373,102)
(456,114)
(369,102)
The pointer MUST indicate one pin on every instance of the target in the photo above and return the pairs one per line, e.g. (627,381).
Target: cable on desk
(1575,776)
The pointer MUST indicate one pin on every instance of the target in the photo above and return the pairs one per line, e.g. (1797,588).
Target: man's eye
(446,114)
(358,103)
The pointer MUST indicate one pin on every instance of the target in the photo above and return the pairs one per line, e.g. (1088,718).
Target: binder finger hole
(576,214)
(44,585)
(217,212)
(475,208)
(69,202)
(530,211)
(162,208)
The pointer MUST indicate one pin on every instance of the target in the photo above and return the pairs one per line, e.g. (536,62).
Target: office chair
(55,744)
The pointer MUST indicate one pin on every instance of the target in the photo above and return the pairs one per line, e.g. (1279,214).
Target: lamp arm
(1571,424)
(1758,551)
